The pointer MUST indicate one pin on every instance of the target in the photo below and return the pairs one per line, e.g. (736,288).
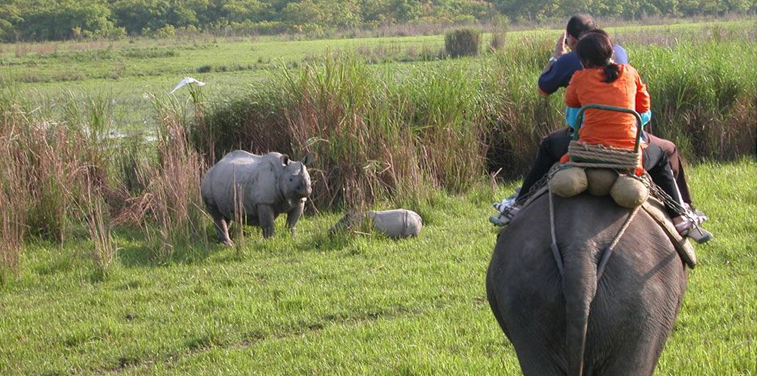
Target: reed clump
(51,173)
(15,192)
(170,207)
(517,117)
(462,42)
(703,95)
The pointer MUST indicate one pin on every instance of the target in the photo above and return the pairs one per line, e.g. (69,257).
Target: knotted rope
(600,156)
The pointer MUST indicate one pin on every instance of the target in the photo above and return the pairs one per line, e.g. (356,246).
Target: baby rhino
(397,223)
(263,186)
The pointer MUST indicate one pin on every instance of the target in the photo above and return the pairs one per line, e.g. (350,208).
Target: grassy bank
(348,305)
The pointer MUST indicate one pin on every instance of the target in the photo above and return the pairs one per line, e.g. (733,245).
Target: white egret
(187,81)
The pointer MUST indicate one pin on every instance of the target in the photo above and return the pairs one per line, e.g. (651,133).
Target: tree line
(38,20)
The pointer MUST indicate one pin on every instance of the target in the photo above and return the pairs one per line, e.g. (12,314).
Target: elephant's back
(635,302)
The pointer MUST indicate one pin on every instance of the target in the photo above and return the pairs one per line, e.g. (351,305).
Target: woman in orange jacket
(604,82)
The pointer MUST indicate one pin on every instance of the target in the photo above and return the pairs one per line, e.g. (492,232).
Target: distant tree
(304,16)
(405,10)
(138,15)
(10,18)
(66,19)
(63,19)
(243,10)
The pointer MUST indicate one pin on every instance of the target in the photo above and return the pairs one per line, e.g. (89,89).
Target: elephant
(571,323)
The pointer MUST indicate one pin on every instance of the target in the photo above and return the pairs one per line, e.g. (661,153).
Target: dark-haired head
(595,51)
(580,24)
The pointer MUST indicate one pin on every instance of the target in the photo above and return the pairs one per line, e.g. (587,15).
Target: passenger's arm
(570,116)
(546,86)
(571,96)
(642,96)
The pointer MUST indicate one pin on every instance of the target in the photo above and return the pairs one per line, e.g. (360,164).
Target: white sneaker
(504,205)
(692,230)
(695,215)
(505,216)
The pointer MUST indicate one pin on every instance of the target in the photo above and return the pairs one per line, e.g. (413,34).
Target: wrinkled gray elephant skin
(263,186)
(570,324)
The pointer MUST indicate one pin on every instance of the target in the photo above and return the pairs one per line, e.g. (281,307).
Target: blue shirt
(562,70)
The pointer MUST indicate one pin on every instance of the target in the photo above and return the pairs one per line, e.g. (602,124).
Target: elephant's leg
(266,217)
(293,215)
(540,365)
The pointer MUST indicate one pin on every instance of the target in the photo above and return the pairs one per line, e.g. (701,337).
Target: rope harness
(600,156)
(606,252)
(620,160)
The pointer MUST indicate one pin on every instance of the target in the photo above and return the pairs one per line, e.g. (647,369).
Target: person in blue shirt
(564,62)
(556,74)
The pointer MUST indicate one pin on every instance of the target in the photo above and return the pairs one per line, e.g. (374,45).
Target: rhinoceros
(264,186)
(397,223)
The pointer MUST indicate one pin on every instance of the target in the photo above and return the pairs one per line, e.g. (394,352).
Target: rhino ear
(284,159)
(308,159)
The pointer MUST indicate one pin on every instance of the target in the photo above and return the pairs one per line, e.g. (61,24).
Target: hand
(561,47)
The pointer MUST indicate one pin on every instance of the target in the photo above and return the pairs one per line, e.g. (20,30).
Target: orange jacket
(604,127)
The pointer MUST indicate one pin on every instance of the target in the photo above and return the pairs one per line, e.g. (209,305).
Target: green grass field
(348,305)
(354,304)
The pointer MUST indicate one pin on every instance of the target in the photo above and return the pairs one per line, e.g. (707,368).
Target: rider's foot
(689,228)
(506,214)
(507,209)
(695,214)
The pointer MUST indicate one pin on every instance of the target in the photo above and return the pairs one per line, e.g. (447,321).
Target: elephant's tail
(579,287)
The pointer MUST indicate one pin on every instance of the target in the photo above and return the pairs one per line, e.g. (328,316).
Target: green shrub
(463,42)
(499,34)
(205,69)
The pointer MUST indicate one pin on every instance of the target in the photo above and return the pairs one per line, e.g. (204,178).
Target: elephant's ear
(308,159)
(284,159)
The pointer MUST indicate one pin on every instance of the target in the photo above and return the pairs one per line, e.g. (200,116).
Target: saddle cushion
(568,181)
(600,180)
(629,192)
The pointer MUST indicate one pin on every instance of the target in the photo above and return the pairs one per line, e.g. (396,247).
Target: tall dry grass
(703,95)
(517,117)
(172,217)
(15,191)
(343,112)
(54,178)
(59,176)
(379,134)
(100,228)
